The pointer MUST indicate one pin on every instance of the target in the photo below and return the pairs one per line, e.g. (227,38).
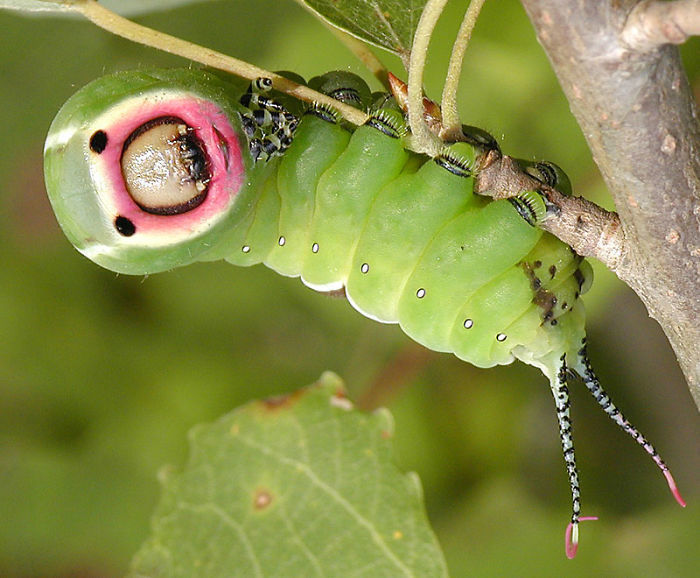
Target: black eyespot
(124,226)
(98,141)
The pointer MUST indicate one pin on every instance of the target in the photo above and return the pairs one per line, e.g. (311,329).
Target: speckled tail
(583,367)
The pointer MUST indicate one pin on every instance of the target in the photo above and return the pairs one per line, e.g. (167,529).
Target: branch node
(652,24)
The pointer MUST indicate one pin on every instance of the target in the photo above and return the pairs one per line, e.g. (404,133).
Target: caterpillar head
(146,170)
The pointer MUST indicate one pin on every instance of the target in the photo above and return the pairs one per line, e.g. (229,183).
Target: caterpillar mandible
(151,170)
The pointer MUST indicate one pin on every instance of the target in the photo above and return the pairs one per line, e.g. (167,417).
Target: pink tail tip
(571,536)
(674,488)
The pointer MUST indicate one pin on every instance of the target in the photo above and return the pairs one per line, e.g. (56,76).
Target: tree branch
(588,229)
(638,114)
(652,23)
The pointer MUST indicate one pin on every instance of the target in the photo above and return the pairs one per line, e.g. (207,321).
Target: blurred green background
(102,375)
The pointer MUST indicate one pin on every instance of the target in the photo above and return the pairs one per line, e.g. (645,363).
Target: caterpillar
(151,170)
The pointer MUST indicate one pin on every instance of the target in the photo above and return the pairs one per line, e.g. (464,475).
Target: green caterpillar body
(148,171)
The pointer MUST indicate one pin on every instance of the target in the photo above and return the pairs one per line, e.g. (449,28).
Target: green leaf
(301,485)
(35,5)
(123,7)
(389,24)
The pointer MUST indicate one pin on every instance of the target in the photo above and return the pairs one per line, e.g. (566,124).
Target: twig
(115,24)
(423,140)
(638,113)
(652,23)
(587,228)
(450,115)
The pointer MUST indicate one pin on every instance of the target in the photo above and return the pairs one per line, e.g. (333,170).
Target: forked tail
(584,369)
(560,391)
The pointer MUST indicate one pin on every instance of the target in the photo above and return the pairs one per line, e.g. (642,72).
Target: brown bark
(638,114)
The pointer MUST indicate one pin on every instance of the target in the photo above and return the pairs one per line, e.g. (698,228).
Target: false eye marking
(165,167)
(196,169)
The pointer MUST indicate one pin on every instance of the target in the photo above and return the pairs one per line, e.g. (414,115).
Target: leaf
(389,24)
(301,485)
(123,7)
(35,5)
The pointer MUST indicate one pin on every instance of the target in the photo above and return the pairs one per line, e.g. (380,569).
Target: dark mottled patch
(546,300)
(580,279)
(537,264)
(543,298)
(552,271)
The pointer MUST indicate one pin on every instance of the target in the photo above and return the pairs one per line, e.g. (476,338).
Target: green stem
(423,139)
(115,24)
(452,125)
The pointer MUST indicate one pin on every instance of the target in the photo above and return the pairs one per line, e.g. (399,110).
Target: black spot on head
(98,141)
(124,226)
(552,271)
(537,264)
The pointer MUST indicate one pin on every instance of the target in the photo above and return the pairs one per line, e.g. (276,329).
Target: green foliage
(389,24)
(102,375)
(300,485)
(124,7)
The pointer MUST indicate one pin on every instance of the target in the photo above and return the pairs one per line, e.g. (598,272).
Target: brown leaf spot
(341,401)
(262,499)
(279,402)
